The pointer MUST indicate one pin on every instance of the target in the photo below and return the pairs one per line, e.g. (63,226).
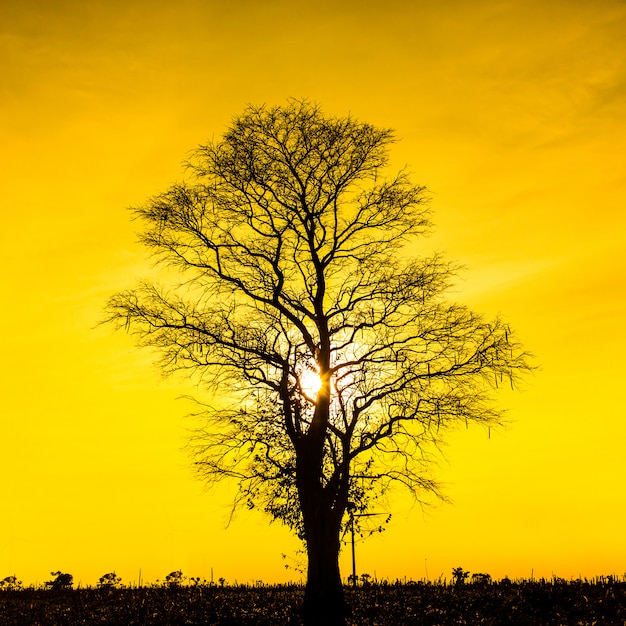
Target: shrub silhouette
(10,583)
(174,579)
(62,581)
(481,579)
(109,581)
(459,575)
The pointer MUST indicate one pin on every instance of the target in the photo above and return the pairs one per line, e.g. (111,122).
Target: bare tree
(334,359)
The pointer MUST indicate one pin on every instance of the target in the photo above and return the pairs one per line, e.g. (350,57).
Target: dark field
(556,602)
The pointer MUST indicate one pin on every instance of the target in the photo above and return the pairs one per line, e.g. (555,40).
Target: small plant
(61,581)
(481,579)
(174,579)
(459,575)
(222,581)
(365,580)
(10,583)
(109,581)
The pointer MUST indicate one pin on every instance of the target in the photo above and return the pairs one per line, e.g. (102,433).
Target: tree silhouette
(298,264)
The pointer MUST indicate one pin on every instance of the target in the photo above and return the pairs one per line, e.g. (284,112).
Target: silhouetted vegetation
(459,575)
(501,603)
(109,581)
(298,251)
(10,583)
(60,581)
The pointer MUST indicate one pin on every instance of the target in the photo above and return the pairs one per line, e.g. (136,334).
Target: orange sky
(511,112)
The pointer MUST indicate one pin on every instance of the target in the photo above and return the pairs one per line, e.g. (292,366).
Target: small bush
(10,583)
(109,581)
(459,575)
(174,579)
(61,581)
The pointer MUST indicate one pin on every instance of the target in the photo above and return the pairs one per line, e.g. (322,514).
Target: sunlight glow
(310,382)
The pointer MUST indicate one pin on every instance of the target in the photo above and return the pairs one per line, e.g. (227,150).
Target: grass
(556,602)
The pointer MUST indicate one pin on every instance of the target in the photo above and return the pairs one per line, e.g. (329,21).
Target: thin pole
(353,552)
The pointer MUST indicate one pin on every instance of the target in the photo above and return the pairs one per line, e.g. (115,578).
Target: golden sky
(513,113)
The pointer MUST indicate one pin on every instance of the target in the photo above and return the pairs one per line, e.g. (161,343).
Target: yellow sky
(511,112)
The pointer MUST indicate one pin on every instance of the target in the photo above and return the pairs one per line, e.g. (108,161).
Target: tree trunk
(322,509)
(324,603)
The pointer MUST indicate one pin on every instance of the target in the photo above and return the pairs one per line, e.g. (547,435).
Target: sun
(310,382)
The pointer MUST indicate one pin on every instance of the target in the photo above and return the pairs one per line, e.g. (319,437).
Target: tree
(334,360)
